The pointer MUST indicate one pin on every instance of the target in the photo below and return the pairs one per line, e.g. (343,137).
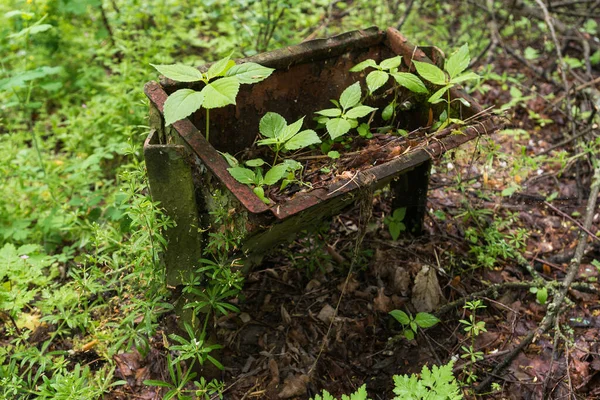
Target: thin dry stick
(554,307)
(567,216)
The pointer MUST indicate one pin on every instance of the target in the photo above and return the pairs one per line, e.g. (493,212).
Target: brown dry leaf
(285,316)
(401,283)
(326,314)
(427,294)
(351,287)
(382,303)
(294,386)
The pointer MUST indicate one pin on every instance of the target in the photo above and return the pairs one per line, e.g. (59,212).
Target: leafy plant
(473,328)
(338,121)
(255,178)
(453,74)
(435,383)
(394,222)
(410,324)
(541,294)
(221,85)
(281,136)
(360,394)
(378,78)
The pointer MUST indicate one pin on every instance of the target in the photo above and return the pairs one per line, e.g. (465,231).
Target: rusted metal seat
(190,178)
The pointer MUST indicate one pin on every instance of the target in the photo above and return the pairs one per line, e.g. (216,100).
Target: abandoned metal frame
(175,154)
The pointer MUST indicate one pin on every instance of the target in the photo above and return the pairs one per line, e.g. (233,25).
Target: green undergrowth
(80,238)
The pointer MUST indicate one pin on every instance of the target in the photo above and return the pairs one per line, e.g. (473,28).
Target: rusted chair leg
(171,184)
(410,191)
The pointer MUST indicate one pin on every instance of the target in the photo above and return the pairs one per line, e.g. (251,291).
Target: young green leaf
(410,81)
(249,72)
(231,160)
(400,316)
(243,175)
(465,77)
(350,96)
(220,92)
(302,139)
(337,127)
(359,112)
(219,67)
(399,214)
(333,154)
(330,112)
(391,63)
(410,335)
(181,104)
(179,72)
(255,162)
(271,124)
(376,79)
(458,61)
(260,193)
(426,320)
(364,65)
(289,131)
(395,229)
(275,174)
(430,72)
(437,96)
(388,111)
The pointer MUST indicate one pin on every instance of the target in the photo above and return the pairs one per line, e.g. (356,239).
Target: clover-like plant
(222,83)
(453,74)
(338,121)
(280,136)
(395,222)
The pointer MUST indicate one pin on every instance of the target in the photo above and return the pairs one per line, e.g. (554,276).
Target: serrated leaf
(255,162)
(242,175)
(218,68)
(220,92)
(330,112)
(430,73)
(271,124)
(181,104)
(302,139)
(249,72)
(410,81)
(426,320)
(390,63)
(376,79)
(363,65)
(337,127)
(410,335)
(467,76)
(333,154)
(388,111)
(289,131)
(359,112)
(179,72)
(275,174)
(400,316)
(458,61)
(350,96)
